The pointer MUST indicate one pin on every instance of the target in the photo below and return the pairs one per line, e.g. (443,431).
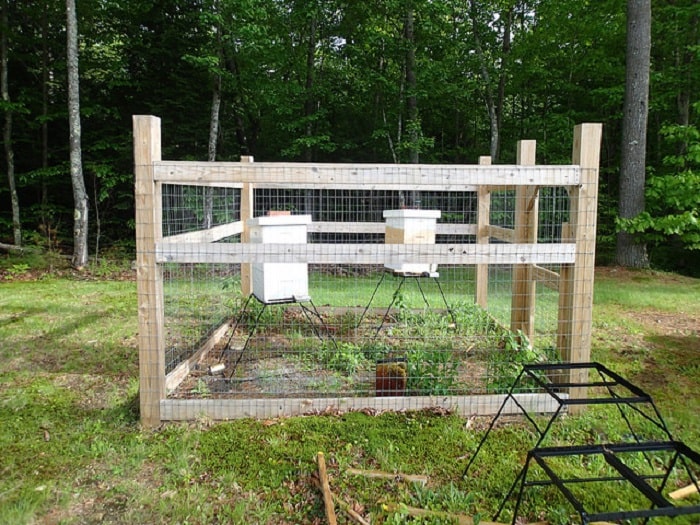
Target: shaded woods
(329,80)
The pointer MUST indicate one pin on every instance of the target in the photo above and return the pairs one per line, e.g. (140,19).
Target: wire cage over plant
(438,313)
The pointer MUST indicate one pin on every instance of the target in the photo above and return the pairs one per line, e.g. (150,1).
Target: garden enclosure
(269,289)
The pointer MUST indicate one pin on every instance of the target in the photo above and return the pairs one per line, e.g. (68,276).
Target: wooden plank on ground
(683,492)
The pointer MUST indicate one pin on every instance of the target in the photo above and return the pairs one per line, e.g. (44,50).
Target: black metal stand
(406,275)
(311,313)
(615,391)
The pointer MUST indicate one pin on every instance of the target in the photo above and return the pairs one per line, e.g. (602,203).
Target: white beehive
(280,282)
(411,227)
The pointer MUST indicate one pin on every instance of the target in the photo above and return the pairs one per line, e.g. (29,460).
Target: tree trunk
(630,252)
(310,103)
(412,120)
(7,130)
(500,101)
(80,200)
(488,89)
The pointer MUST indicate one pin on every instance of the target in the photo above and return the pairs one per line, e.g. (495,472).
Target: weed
(432,372)
(16,270)
(505,363)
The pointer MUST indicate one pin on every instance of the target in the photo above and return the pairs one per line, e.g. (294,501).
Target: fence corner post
(575,319)
(149,279)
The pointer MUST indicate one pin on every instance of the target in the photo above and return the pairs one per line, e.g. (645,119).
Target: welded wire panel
(354,329)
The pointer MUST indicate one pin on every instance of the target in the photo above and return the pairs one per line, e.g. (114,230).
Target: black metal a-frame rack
(611,389)
(435,276)
(311,314)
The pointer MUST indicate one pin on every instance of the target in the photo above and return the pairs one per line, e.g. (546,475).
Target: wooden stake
(326,490)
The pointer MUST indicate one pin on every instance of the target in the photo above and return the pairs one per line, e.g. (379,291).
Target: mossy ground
(74,452)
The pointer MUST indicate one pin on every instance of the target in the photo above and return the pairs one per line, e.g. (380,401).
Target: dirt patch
(664,323)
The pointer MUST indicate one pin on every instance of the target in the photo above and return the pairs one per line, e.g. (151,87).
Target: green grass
(74,452)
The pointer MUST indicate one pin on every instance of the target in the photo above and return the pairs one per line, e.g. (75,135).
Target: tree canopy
(332,80)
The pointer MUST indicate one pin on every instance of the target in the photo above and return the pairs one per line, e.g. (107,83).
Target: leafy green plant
(16,270)
(505,363)
(342,356)
(431,372)
(672,200)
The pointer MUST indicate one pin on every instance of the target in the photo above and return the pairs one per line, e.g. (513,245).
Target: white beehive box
(411,227)
(280,282)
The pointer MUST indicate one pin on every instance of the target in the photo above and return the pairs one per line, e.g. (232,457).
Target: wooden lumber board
(226,253)
(576,282)
(247,198)
(474,405)
(149,280)
(502,234)
(180,372)
(380,228)
(525,231)
(547,277)
(683,492)
(423,177)
(481,290)
(213,234)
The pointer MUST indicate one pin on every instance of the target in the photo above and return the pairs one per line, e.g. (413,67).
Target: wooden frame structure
(518,247)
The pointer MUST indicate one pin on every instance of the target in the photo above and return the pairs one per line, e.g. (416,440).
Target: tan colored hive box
(280,282)
(411,227)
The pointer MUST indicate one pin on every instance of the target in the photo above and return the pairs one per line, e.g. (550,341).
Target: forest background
(342,81)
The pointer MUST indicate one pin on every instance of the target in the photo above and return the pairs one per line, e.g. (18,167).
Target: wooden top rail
(426,177)
(226,253)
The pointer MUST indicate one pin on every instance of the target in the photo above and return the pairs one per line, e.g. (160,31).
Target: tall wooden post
(522,313)
(483,218)
(576,280)
(149,278)
(247,203)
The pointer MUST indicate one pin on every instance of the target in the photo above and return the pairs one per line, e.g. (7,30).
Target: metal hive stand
(406,275)
(616,391)
(311,313)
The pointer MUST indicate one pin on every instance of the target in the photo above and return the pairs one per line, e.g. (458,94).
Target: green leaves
(673,199)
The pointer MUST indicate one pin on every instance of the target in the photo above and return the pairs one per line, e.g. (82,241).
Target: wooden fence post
(576,280)
(483,218)
(149,278)
(247,207)
(522,313)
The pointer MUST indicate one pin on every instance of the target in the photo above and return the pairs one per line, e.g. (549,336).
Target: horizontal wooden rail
(547,277)
(213,234)
(217,233)
(425,177)
(502,234)
(190,253)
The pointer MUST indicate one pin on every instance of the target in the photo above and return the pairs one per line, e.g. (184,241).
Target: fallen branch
(415,478)
(461,519)
(11,248)
(348,510)
(326,490)
(683,492)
